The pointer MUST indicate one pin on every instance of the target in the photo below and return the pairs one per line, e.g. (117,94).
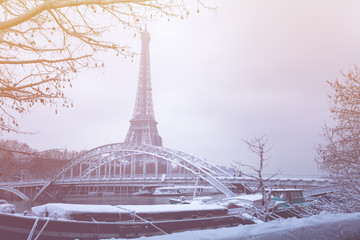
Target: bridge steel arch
(14,191)
(96,158)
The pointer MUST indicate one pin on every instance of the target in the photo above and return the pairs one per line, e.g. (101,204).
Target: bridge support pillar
(105,170)
(90,166)
(80,171)
(156,166)
(120,168)
(108,170)
(132,169)
(168,168)
(144,166)
(124,169)
(114,171)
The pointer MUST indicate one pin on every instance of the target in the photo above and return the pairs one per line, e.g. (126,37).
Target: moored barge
(78,221)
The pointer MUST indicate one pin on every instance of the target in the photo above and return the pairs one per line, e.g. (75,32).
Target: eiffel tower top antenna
(143,127)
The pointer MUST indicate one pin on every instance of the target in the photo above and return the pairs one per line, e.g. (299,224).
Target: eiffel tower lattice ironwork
(143,127)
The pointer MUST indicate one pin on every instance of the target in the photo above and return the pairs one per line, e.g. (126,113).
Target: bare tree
(339,154)
(45,43)
(11,154)
(15,148)
(258,145)
(19,161)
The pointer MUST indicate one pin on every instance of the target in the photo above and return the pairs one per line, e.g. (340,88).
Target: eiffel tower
(143,127)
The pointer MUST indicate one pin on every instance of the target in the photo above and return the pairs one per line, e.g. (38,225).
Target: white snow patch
(160,208)
(323,226)
(63,210)
(249,197)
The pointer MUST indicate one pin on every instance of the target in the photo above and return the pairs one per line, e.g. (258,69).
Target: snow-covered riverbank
(323,226)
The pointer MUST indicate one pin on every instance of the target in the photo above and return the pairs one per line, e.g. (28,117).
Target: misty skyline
(253,68)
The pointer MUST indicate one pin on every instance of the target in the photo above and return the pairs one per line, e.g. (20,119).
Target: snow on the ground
(324,226)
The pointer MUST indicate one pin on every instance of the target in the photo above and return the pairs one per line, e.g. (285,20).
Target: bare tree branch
(45,43)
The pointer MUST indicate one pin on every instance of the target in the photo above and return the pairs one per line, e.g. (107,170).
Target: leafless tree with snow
(258,145)
(339,154)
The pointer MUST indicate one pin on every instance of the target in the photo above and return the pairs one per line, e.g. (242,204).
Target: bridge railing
(24,183)
(174,177)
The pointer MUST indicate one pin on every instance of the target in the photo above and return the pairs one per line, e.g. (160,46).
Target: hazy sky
(252,68)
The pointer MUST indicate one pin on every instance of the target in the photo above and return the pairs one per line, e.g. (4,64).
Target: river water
(127,199)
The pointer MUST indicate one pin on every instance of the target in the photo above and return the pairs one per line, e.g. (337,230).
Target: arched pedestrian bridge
(120,160)
(124,168)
